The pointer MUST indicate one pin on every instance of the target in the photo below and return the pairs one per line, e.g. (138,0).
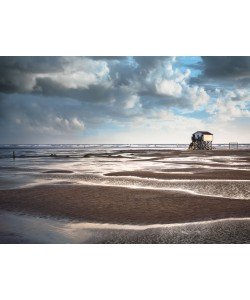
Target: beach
(129,195)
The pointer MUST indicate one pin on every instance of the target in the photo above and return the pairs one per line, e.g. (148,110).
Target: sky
(111,99)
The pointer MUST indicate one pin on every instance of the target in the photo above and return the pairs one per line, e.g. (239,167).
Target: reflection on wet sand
(28,229)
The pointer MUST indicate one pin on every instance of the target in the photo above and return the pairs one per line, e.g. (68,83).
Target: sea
(29,150)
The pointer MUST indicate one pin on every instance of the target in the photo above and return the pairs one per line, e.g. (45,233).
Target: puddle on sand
(16,228)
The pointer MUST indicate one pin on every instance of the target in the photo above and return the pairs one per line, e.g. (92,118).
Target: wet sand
(217,167)
(199,175)
(187,153)
(19,228)
(120,205)
(138,191)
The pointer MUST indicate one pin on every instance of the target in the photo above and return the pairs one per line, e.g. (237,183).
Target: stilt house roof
(204,132)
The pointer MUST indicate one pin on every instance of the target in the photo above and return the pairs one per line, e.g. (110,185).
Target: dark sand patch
(120,205)
(58,172)
(198,174)
(186,153)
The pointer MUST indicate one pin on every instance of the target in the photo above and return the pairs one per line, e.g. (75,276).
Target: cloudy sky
(123,99)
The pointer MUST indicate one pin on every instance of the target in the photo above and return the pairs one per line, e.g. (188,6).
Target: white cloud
(79,73)
(77,124)
(175,83)
(238,95)
(230,104)
(74,73)
(226,110)
(197,95)
(164,115)
(169,88)
(131,102)
(69,124)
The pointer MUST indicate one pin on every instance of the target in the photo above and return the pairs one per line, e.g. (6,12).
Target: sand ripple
(28,229)
(235,189)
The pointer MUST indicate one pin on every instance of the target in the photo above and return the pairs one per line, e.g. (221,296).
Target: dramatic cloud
(97,99)
(230,105)
(227,66)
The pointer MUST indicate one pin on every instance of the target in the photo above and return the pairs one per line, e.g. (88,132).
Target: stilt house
(201,140)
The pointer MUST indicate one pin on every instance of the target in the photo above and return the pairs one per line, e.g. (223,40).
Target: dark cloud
(16,72)
(107,57)
(126,77)
(224,73)
(94,93)
(24,74)
(147,63)
(226,66)
(31,64)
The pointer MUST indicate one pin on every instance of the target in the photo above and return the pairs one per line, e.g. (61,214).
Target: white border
(124,272)
(124,28)
(129,27)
